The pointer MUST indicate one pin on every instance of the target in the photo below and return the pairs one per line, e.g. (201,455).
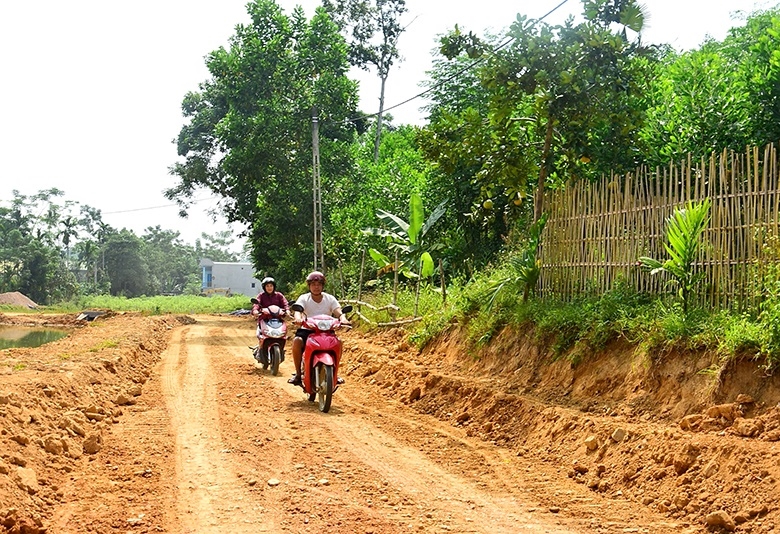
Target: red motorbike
(321,356)
(272,337)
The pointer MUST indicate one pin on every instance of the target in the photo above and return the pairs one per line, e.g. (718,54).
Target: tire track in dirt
(210,495)
(399,478)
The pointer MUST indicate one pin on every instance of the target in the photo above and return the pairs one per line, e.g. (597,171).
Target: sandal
(295,381)
(339,380)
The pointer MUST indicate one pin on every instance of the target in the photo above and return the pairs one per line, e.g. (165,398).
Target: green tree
(173,266)
(724,95)
(249,136)
(564,100)
(126,267)
(470,165)
(374,28)
(368,187)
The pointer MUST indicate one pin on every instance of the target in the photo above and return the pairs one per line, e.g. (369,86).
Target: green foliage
(249,133)
(684,229)
(180,304)
(407,238)
(524,267)
(725,95)
(38,259)
(559,96)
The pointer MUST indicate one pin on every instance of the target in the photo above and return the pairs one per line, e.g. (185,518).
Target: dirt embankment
(163,424)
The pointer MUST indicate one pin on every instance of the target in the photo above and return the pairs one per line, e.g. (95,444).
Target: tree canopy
(249,132)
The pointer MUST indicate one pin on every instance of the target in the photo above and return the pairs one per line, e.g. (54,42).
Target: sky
(91,90)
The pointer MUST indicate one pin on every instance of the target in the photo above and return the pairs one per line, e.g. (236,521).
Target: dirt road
(213,444)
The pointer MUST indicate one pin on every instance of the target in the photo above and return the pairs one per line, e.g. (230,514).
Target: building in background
(228,278)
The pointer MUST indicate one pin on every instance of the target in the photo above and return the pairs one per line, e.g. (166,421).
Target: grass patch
(179,304)
(107,344)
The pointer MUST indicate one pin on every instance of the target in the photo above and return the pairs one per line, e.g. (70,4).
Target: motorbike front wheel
(323,386)
(276,358)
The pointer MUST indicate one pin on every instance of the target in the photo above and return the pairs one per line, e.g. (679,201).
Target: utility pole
(319,255)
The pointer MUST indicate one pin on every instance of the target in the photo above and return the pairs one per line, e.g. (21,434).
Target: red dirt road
(213,444)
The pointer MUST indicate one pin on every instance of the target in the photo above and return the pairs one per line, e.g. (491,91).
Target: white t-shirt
(327,306)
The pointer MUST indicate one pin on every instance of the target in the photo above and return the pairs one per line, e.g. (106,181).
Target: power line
(156,207)
(455,74)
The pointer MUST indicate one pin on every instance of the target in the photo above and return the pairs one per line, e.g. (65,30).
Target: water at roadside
(21,336)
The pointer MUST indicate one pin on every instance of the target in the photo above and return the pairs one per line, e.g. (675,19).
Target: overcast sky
(91,89)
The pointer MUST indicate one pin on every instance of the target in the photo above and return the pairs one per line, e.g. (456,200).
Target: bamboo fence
(596,232)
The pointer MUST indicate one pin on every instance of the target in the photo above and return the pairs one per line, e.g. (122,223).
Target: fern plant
(684,229)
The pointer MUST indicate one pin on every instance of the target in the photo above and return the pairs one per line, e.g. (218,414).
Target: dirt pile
(17,299)
(657,434)
(56,404)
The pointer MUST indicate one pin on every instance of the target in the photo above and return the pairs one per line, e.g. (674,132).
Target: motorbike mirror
(254,301)
(346,309)
(296,307)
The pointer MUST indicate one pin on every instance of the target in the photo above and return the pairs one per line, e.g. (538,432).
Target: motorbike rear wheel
(323,385)
(276,358)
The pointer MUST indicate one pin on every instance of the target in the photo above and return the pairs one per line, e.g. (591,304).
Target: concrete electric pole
(319,255)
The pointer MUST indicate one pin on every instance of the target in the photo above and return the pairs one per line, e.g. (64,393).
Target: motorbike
(272,338)
(321,357)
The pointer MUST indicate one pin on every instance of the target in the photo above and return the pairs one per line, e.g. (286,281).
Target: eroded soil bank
(163,424)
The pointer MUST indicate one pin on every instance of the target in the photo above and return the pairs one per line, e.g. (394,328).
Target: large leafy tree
(172,266)
(369,187)
(722,95)
(373,27)
(249,133)
(560,97)
(470,164)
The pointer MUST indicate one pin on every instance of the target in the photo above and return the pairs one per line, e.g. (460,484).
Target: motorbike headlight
(275,332)
(325,324)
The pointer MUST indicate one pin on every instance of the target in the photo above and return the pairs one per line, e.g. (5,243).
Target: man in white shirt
(315,302)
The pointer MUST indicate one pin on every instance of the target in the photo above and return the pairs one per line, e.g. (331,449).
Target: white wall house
(228,278)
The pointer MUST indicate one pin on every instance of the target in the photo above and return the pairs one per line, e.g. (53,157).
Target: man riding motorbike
(315,302)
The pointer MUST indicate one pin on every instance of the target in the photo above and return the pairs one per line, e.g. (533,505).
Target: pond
(22,336)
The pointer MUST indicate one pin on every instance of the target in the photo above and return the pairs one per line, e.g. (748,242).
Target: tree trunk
(539,199)
(379,119)
(443,285)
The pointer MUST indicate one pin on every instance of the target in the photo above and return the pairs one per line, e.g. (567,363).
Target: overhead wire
(156,207)
(457,73)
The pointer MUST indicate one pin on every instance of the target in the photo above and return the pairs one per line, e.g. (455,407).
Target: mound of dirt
(57,401)
(17,299)
(700,449)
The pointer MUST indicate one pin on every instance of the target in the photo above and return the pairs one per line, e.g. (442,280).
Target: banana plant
(684,229)
(407,238)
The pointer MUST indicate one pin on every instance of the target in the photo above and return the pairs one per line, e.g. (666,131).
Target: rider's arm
(341,316)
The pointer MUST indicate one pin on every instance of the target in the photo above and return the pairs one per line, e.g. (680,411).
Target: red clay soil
(140,424)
